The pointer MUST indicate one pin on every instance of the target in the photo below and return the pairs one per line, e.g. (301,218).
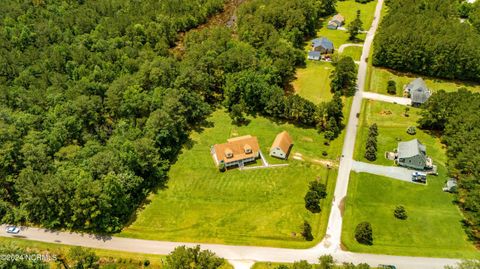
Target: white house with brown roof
(281,145)
(237,151)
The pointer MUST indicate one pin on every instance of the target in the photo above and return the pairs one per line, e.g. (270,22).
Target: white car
(12,230)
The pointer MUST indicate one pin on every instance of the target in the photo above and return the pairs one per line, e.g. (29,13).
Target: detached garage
(281,146)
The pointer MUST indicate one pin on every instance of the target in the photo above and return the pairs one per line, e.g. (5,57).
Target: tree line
(427,37)
(95,107)
(456,117)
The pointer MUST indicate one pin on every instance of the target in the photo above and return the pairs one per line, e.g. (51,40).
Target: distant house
(413,154)
(314,55)
(417,91)
(281,145)
(323,45)
(337,21)
(237,151)
(451,185)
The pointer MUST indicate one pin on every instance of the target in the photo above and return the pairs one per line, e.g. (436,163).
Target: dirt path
(226,17)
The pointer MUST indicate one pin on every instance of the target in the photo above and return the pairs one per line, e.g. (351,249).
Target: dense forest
(94,107)
(456,116)
(423,36)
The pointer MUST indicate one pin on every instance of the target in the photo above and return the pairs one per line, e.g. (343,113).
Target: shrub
(307,231)
(302,264)
(222,167)
(400,212)
(326,262)
(392,87)
(312,202)
(364,233)
(411,130)
(319,188)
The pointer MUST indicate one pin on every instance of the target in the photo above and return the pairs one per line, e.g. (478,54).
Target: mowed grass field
(248,207)
(393,125)
(313,80)
(433,227)
(353,51)
(381,76)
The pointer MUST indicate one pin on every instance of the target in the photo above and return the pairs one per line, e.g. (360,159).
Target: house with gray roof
(323,45)
(337,21)
(314,55)
(417,91)
(413,154)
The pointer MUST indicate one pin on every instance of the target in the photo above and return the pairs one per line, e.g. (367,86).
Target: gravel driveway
(395,172)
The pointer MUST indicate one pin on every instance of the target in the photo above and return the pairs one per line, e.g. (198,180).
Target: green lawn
(381,76)
(348,9)
(433,227)
(353,51)
(392,124)
(313,81)
(249,207)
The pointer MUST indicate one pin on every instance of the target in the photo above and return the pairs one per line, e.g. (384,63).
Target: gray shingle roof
(417,83)
(314,54)
(323,42)
(411,148)
(419,93)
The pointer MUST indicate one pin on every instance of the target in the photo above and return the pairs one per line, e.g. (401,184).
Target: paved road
(242,256)
(343,46)
(387,98)
(334,228)
(395,172)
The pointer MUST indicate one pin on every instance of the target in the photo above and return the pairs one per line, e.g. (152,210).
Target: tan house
(237,151)
(281,146)
(337,21)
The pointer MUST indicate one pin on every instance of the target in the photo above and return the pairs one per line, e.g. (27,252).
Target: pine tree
(373,129)
(355,27)
(371,154)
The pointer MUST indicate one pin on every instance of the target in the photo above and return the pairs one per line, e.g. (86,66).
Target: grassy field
(249,207)
(121,259)
(433,227)
(348,9)
(392,124)
(381,76)
(272,265)
(312,81)
(353,51)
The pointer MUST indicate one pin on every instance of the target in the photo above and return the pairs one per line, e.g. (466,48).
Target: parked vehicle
(387,266)
(419,177)
(12,230)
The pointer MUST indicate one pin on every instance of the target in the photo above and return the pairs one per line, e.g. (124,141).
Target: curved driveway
(243,256)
